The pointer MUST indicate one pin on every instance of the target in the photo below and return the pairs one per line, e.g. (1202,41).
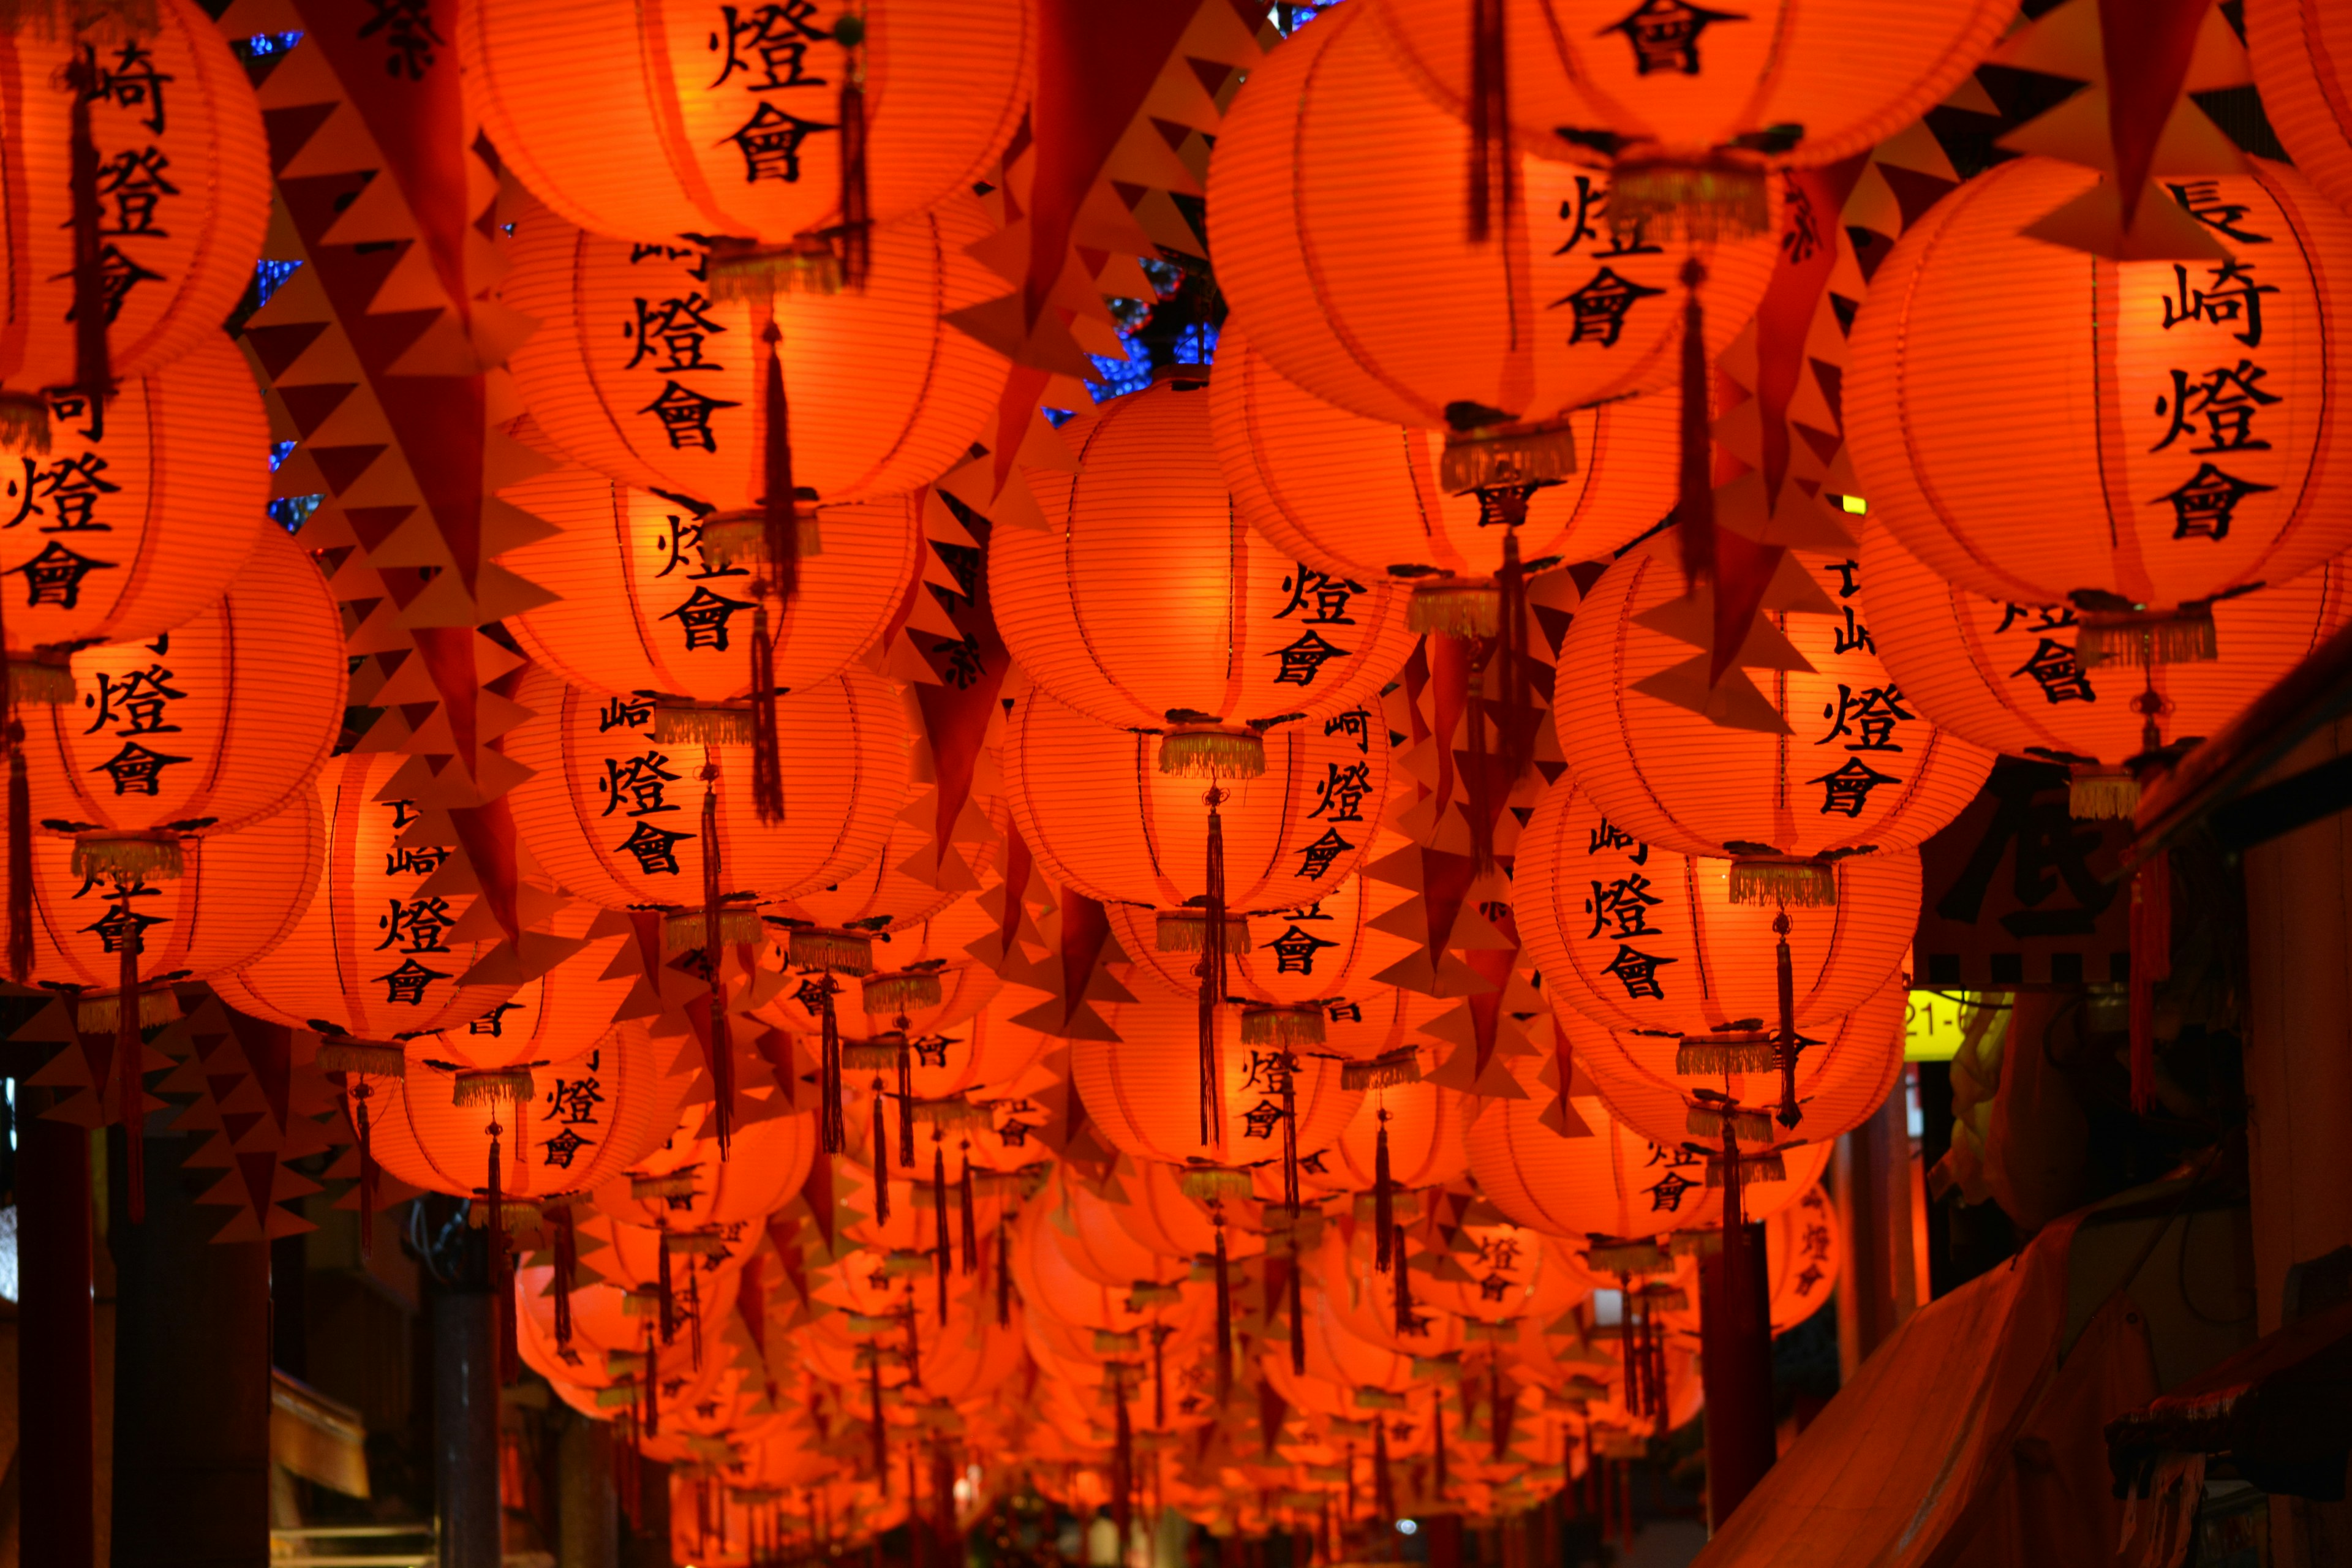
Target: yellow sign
(1934,1022)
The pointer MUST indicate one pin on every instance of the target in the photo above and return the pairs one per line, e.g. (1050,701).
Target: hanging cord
(1212,977)
(129,1051)
(722,1055)
(1492,166)
(1225,1315)
(1383,1198)
(1791,1113)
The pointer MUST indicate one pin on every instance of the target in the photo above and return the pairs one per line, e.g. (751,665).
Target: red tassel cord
(1383,1199)
(1159,1332)
(1625,1310)
(1212,980)
(1297,1293)
(1406,1323)
(20,853)
(943,1257)
(833,1125)
(1695,500)
(721,1055)
(92,315)
(914,1349)
(880,1149)
(905,1106)
(1491,163)
(1225,1318)
(880,1433)
(767,750)
(502,1276)
(1290,1133)
(667,1299)
(2151,962)
(856,206)
(971,1214)
(130,1049)
(1790,1113)
(693,1316)
(1003,1273)
(779,518)
(360,1092)
(567,1269)
(1122,1462)
(1498,1411)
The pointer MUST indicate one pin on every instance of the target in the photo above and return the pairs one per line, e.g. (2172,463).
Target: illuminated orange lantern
(617,814)
(550,1127)
(378,955)
(736,123)
(557,1015)
(119,536)
(1804,1251)
(1419,1124)
(634,578)
(708,1203)
(2222,466)
(1171,1222)
(1611,1181)
(204,728)
(1346,494)
(1149,602)
(1098,812)
(2297,48)
(1670,1088)
(1332,274)
(639,373)
(239,896)
(2006,677)
(1685,94)
(183,195)
(1143,1094)
(1833,759)
(1641,938)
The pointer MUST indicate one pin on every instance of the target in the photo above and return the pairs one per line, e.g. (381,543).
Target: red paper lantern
(710,1202)
(182,202)
(2219,464)
(2296,48)
(1143,1094)
(206,729)
(1638,937)
(2006,676)
(736,123)
(1808,763)
(1422,1123)
(1332,274)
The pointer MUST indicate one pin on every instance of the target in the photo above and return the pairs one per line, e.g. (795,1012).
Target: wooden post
(1735,1361)
(55,1361)
(1872,1186)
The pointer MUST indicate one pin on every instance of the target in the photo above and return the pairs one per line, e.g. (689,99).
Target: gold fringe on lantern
(695,1243)
(1213,750)
(41,683)
(1628,1258)
(1378,1399)
(902,991)
(1507,454)
(871,1055)
(1456,609)
(1446,1368)
(674,1185)
(1476,1332)
(905,1260)
(127,856)
(364,1059)
(740,269)
(2182,636)
(493,1086)
(1149,1293)
(1298,1025)
(1704,1120)
(952,1112)
(1771,879)
(868,1323)
(1730,1051)
(24,415)
(617,1395)
(1383,1071)
(1213,1184)
(2102,794)
(1346,1427)
(1657,198)
(515,1215)
(702,724)
(732,537)
(1118,1342)
(1665,1299)
(1330,1475)
(683,929)
(1696,1242)
(822,947)
(640,1301)
(1404,1205)
(1765,1167)
(1187,930)
(102,1013)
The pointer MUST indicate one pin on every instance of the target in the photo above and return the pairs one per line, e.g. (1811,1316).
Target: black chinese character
(1317,857)
(1664,34)
(1495,1288)
(1294,950)
(1268,1072)
(2051,618)
(1598,310)
(2227,399)
(407,28)
(123,926)
(1261,1119)
(1623,907)
(1500,1252)
(1639,973)
(1344,1011)
(2205,502)
(135,770)
(1592,199)
(54,576)
(771,144)
(771,42)
(642,780)
(135,183)
(2055,669)
(72,486)
(704,617)
(672,329)
(574,1100)
(2201,199)
(625,713)
(1356,724)
(685,415)
(1844,792)
(405,985)
(563,1146)
(417,860)
(493,1022)
(656,850)
(1872,716)
(118,275)
(131,81)
(420,922)
(1342,792)
(1667,1194)
(1302,659)
(963,666)
(137,702)
(2232,296)
(1329,597)
(2052,848)
(1607,835)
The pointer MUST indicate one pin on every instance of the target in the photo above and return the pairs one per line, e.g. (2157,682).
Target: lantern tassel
(857,205)
(1159,1332)
(767,757)
(652,1386)
(831,1122)
(779,540)
(1003,1273)
(880,1433)
(128,1047)
(359,1092)
(906,1105)
(1490,130)
(1404,1313)
(1694,502)
(567,1267)
(971,1215)
(1383,1484)
(881,1153)
(944,1258)
(20,855)
(2151,961)
(1625,1344)
(1478,786)
(721,1055)
(668,1301)
(1790,1113)
(1383,1198)
(91,373)
(1224,1319)
(1122,1465)
(1514,684)
(495,1201)
(1498,1412)
(1212,978)
(1297,1293)
(1290,1134)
